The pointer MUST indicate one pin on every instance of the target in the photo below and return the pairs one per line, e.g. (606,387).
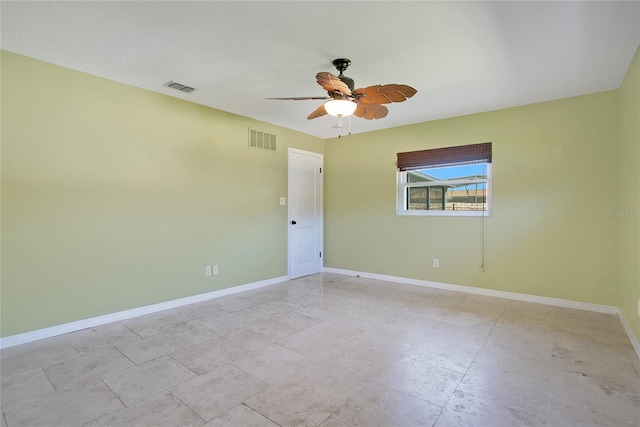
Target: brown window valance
(448,156)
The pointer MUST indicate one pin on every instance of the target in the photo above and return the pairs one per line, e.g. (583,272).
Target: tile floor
(332,351)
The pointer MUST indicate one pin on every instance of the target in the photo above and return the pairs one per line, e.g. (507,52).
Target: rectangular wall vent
(262,140)
(179,86)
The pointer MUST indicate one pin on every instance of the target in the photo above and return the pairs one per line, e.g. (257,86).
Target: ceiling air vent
(262,140)
(179,86)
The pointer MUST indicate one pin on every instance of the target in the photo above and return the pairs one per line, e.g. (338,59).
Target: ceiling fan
(343,100)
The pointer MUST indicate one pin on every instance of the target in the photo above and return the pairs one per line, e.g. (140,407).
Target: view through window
(433,184)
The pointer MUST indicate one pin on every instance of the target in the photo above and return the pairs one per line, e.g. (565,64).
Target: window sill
(445,213)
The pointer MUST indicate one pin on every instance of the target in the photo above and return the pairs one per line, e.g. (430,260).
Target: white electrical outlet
(215,270)
(436,262)
(207,270)
(283,201)
(638,306)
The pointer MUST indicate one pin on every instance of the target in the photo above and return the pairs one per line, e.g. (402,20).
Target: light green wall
(628,204)
(115,197)
(553,179)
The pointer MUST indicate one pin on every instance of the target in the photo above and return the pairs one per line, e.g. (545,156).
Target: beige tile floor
(331,350)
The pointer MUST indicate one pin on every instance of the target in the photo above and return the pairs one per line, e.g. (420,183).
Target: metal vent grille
(179,86)
(262,140)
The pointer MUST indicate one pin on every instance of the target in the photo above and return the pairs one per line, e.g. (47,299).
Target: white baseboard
(632,337)
(607,309)
(481,291)
(65,328)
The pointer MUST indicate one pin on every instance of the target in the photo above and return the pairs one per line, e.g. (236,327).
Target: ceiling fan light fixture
(340,107)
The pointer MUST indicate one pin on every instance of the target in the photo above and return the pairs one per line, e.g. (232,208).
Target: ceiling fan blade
(370,111)
(385,94)
(332,84)
(300,98)
(318,112)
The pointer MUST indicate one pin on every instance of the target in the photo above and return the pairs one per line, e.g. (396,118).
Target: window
(445,181)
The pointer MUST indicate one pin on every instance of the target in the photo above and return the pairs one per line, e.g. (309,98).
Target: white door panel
(305,213)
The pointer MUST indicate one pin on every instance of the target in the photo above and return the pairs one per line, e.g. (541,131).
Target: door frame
(289,213)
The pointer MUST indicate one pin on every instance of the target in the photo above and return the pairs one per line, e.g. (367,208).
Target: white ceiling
(462,57)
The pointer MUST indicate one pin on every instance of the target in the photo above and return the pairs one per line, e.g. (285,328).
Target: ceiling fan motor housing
(341,65)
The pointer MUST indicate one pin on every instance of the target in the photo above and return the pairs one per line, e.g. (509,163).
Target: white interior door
(305,213)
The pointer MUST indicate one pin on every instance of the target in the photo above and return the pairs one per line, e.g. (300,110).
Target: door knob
(293,223)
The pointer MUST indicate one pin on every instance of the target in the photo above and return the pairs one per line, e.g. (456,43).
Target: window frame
(402,193)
